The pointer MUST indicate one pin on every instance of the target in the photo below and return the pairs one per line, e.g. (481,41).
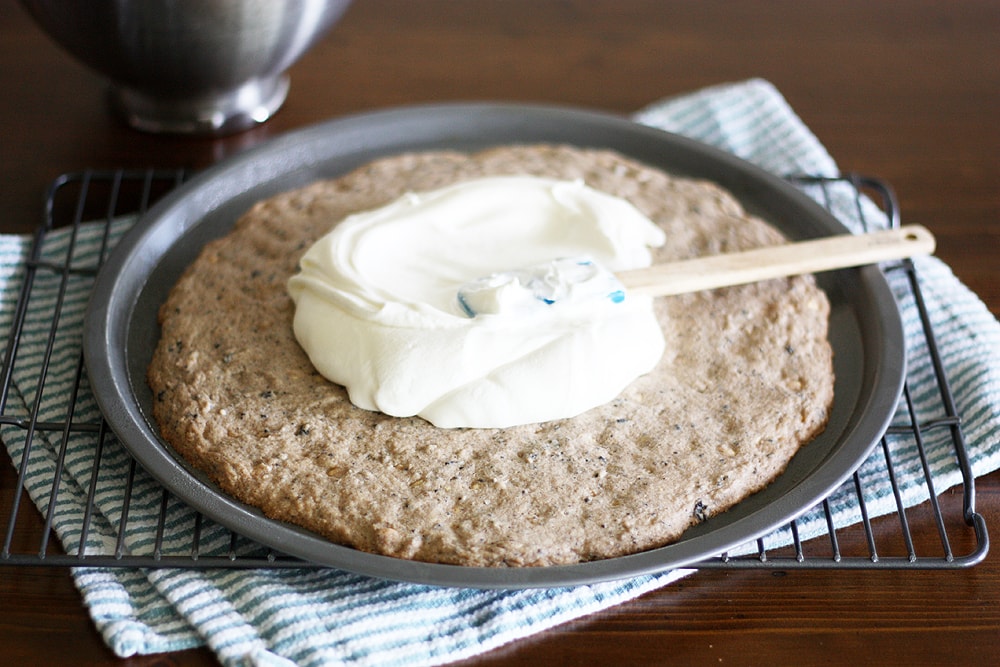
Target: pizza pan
(121,326)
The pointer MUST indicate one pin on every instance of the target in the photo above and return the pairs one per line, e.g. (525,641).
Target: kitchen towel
(320,616)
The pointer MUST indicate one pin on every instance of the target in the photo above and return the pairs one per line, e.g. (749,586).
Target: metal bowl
(190,66)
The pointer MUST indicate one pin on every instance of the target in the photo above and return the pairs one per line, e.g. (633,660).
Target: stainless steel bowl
(190,66)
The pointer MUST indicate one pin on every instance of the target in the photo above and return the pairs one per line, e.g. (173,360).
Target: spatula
(580,278)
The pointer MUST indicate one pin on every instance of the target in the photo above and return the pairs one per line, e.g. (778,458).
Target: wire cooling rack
(959,533)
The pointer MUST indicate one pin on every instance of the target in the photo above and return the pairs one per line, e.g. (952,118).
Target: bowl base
(215,114)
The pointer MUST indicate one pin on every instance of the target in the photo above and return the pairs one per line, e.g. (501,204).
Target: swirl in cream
(377,308)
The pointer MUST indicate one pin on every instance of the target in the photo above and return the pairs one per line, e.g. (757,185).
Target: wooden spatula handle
(790,259)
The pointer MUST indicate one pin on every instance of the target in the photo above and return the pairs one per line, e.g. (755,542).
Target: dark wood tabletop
(909,92)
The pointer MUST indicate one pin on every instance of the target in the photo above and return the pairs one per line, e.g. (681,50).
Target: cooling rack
(119,197)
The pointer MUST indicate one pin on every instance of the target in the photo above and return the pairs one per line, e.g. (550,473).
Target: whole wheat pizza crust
(746,381)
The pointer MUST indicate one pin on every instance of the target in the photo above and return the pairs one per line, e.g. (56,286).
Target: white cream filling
(377,308)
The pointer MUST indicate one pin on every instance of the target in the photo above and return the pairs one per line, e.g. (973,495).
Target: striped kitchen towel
(316,616)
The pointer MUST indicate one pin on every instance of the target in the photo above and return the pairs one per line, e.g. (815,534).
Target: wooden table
(909,92)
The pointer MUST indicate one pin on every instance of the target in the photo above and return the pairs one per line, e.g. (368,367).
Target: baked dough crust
(747,379)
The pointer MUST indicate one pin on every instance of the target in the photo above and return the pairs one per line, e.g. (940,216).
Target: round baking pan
(121,325)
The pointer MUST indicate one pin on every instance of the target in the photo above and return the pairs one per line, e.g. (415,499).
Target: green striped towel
(316,617)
